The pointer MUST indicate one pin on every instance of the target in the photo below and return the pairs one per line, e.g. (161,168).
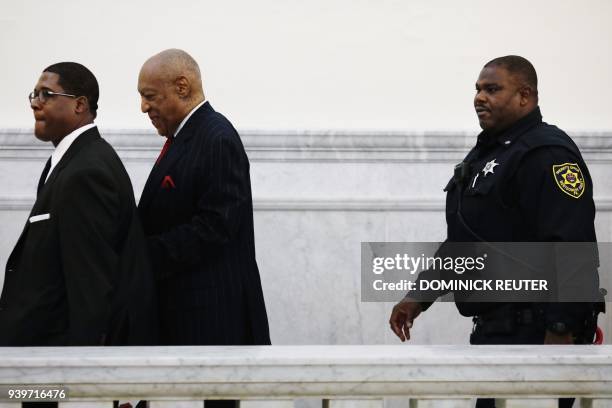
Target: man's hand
(554,338)
(402,316)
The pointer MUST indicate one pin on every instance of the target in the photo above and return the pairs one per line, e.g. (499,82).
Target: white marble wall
(317,196)
(340,64)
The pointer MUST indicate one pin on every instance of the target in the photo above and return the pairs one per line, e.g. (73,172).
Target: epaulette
(549,135)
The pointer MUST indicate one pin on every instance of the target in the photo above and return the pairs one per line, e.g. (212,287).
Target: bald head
(172,64)
(170,86)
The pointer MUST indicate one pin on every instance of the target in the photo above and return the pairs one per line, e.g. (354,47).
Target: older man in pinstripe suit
(197,211)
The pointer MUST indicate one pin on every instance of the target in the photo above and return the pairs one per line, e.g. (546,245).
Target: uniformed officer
(525,181)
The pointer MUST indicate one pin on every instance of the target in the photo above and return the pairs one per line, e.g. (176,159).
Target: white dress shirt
(64,144)
(178,129)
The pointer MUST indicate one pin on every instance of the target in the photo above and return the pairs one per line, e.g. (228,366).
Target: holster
(587,334)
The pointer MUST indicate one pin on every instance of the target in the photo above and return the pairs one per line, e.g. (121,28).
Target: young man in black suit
(81,258)
(197,212)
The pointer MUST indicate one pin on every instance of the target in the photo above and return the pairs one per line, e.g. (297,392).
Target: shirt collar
(64,144)
(506,137)
(180,126)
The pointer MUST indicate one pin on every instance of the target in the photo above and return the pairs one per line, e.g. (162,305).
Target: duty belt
(504,320)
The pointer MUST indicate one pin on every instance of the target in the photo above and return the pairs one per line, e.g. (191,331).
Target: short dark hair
(78,80)
(517,65)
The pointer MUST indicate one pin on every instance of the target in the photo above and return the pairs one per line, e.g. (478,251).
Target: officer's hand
(402,316)
(554,338)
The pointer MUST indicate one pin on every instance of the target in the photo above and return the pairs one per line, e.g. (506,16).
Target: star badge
(488,168)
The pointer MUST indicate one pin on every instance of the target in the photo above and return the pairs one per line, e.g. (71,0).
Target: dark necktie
(164,149)
(43,177)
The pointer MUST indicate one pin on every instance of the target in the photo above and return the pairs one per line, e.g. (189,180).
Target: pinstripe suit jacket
(197,211)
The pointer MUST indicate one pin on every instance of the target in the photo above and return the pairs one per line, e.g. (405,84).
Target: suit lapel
(160,170)
(82,140)
(174,153)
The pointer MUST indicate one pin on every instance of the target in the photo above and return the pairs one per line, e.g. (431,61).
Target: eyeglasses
(44,95)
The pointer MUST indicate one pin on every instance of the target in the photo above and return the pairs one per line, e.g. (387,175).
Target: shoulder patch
(569,178)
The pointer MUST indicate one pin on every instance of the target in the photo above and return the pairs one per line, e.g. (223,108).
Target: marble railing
(323,376)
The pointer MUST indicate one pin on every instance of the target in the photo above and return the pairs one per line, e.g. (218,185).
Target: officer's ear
(527,94)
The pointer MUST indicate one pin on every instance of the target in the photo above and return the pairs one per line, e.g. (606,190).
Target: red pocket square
(167,182)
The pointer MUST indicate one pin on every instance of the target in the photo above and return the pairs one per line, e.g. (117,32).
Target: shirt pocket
(479,185)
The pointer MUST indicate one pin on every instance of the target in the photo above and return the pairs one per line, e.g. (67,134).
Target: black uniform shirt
(528,183)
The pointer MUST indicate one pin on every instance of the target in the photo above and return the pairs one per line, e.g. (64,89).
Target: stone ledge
(326,371)
(339,204)
(261,145)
